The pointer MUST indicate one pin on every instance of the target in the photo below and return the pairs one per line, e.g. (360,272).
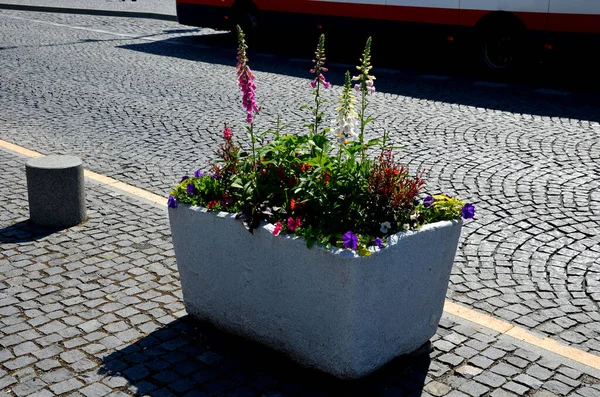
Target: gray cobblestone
(42,393)
(28,387)
(66,386)
(528,381)
(96,390)
(6,381)
(474,389)
(538,372)
(46,365)
(18,363)
(516,388)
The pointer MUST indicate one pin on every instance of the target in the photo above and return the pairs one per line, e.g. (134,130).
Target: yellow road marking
(19,149)
(484,320)
(477,317)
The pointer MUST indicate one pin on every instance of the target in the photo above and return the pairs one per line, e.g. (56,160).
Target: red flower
(277,229)
(211,204)
(227,134)
(292,224)
(226,200)
(292,204)
(305,167)
(280,173)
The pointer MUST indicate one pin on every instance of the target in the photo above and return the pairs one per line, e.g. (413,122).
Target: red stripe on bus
(442,16)
(531,20)
(574,23)
(261,4)
(300,6)
(354,10)
(211,3)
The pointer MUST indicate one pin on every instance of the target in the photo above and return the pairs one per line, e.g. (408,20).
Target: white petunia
(385,226)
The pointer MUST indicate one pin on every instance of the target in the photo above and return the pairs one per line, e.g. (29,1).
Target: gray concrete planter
(343,314)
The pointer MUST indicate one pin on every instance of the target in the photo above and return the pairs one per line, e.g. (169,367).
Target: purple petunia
(198,174)
(428,201)
(172,202)
(350,240)
(215,176)
(183,178)
(468,211)
(378,242)
(191,189)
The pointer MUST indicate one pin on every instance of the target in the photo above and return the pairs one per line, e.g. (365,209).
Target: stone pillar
(56,191)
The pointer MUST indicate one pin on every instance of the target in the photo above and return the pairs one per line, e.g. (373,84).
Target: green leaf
(368,120)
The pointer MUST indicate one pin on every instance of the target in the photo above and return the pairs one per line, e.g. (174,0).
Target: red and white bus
(502,29)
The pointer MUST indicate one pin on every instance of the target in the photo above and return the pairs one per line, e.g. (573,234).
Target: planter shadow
(188,357)
(25,231)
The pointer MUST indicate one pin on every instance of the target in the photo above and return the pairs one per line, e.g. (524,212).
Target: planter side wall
(342,314)
(400,298)
(270,289)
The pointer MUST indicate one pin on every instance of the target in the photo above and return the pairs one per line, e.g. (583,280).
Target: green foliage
(443,208)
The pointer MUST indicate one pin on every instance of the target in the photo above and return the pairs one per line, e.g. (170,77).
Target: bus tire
(501,44)
(245,14)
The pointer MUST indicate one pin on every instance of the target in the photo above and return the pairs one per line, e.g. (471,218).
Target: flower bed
(330,186)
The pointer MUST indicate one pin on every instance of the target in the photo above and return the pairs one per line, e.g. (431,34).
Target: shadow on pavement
(25,231)
(293,58)
(188,357)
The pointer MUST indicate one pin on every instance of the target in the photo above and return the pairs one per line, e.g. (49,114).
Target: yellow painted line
(484,320)
(522,334)
(136,191)
(477,318)
(569,352)
(19,149)
(99,178)
(105,180)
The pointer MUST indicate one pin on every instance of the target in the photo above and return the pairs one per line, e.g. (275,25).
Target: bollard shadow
(457,85)
(26,231)
(188,357)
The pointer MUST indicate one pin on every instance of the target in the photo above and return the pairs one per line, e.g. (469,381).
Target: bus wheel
(245,14)
(501,48)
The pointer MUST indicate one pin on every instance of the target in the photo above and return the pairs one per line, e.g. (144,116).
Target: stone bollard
(56,190)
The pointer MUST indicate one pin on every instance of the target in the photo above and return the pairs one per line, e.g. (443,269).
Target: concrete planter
(343,314)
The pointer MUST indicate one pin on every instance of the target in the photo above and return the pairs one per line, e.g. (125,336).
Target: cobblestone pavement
(96,310)
(160,7)
(148,109)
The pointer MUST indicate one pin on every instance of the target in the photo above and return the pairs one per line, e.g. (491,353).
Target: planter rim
(269,228)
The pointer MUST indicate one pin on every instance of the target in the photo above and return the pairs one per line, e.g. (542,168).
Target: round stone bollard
(56,191)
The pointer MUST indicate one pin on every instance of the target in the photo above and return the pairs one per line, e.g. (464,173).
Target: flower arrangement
(330,186)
